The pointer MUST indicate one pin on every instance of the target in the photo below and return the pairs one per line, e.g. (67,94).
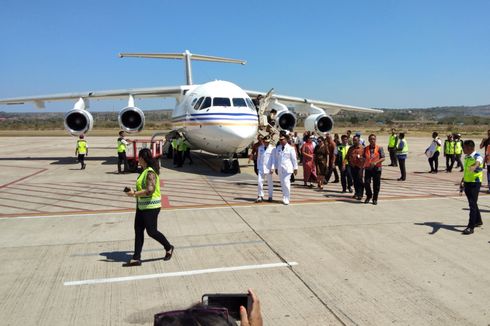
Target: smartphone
(230,301)
(127,189)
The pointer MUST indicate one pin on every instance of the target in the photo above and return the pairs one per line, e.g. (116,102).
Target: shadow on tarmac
(63,160)
(123,257)
(436,226)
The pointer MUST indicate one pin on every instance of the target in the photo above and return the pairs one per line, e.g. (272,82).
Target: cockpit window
(239,102)
(206,103)
(198,104)
(221,101)
(250,104)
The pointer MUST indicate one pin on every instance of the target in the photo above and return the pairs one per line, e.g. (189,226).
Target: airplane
(218,116)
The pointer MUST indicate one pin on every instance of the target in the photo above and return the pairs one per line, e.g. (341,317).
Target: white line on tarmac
(174,274)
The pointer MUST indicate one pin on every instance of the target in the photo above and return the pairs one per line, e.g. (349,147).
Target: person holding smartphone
(148,198)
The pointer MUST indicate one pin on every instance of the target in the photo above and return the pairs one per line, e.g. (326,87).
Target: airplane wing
(304,105)
(175,92)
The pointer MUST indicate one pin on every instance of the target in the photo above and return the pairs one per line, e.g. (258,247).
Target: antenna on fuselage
(187,56)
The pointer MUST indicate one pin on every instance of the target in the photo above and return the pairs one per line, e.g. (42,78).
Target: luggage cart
(135,145)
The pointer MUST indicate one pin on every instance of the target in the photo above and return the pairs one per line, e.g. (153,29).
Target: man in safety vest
(122,145)
(471,183)
(433,152)
(186,151)
(343,164)
(485,143)
(373,159)
(458,151)
(81,151)
(402,153)
(392,147)
(449,152)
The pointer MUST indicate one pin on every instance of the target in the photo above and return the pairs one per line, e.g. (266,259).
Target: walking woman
(321,161)
(148,200)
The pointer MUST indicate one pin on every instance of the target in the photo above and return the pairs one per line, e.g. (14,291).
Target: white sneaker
(285,202)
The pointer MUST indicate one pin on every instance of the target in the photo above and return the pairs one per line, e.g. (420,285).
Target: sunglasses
(218,311)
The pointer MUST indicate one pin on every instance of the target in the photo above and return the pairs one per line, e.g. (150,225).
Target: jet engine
(285,120)
(78,121)
(320,122)
(131,119)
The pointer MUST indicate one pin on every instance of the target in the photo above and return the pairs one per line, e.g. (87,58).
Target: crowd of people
(347,158)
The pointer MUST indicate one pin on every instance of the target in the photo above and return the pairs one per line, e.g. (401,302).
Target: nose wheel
(230,166)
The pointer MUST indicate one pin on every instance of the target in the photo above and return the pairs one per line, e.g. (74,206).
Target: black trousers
(375,175)
(471,190)
(122,159)
(187,154)
(329,174)
(357,178)
(346,177)
(449,162)
(403,170)
(393,158)
(459,164)
(81,160)
(434,162)
(147,219)
(178,158)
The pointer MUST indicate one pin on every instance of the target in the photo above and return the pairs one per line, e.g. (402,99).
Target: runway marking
(175,274)
(41,170)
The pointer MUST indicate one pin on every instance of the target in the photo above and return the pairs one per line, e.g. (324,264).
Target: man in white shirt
(264,167)
(285,163)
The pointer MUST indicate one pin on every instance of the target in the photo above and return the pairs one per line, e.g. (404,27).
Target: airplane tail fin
(186,56)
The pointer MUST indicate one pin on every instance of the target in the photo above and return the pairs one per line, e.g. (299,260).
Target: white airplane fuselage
(218,117)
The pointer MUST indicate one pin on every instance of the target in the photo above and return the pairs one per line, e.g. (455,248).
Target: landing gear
(230,166)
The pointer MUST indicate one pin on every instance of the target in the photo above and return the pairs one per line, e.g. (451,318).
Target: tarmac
(325,259)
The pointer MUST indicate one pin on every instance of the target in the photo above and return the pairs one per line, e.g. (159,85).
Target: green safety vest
(180,145)
(82,146)
(438,148)
(449,147)
(121,147)
(458,147)
(472,176)
(342,152)
(392,141)
(149,202)
(404,151)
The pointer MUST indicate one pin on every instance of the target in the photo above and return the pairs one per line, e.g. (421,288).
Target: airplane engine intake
(131,119)
(78,122)
(285,120)
(319,122)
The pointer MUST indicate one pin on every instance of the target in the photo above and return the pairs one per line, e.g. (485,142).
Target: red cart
(135,145)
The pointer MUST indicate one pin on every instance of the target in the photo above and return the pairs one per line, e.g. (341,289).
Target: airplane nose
(239,137)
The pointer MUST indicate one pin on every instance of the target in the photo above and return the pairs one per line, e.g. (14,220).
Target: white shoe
(285,202)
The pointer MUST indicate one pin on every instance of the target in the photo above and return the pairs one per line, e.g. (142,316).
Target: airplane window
(239,102)
(206,103)
(221,101)
(193,101)
(198,104)
(250,103)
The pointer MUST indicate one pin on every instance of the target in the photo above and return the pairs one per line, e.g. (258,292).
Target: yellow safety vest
(449,147)
(472,176)
(404,151)
(342,149)
(458,147)
(121,147)
(148,202)
(82,146)
(392,141)
(438,147)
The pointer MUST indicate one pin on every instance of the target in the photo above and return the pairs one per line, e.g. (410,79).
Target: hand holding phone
(230,301)
(127,189)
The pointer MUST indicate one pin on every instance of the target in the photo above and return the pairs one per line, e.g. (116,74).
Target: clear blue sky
(368,53)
